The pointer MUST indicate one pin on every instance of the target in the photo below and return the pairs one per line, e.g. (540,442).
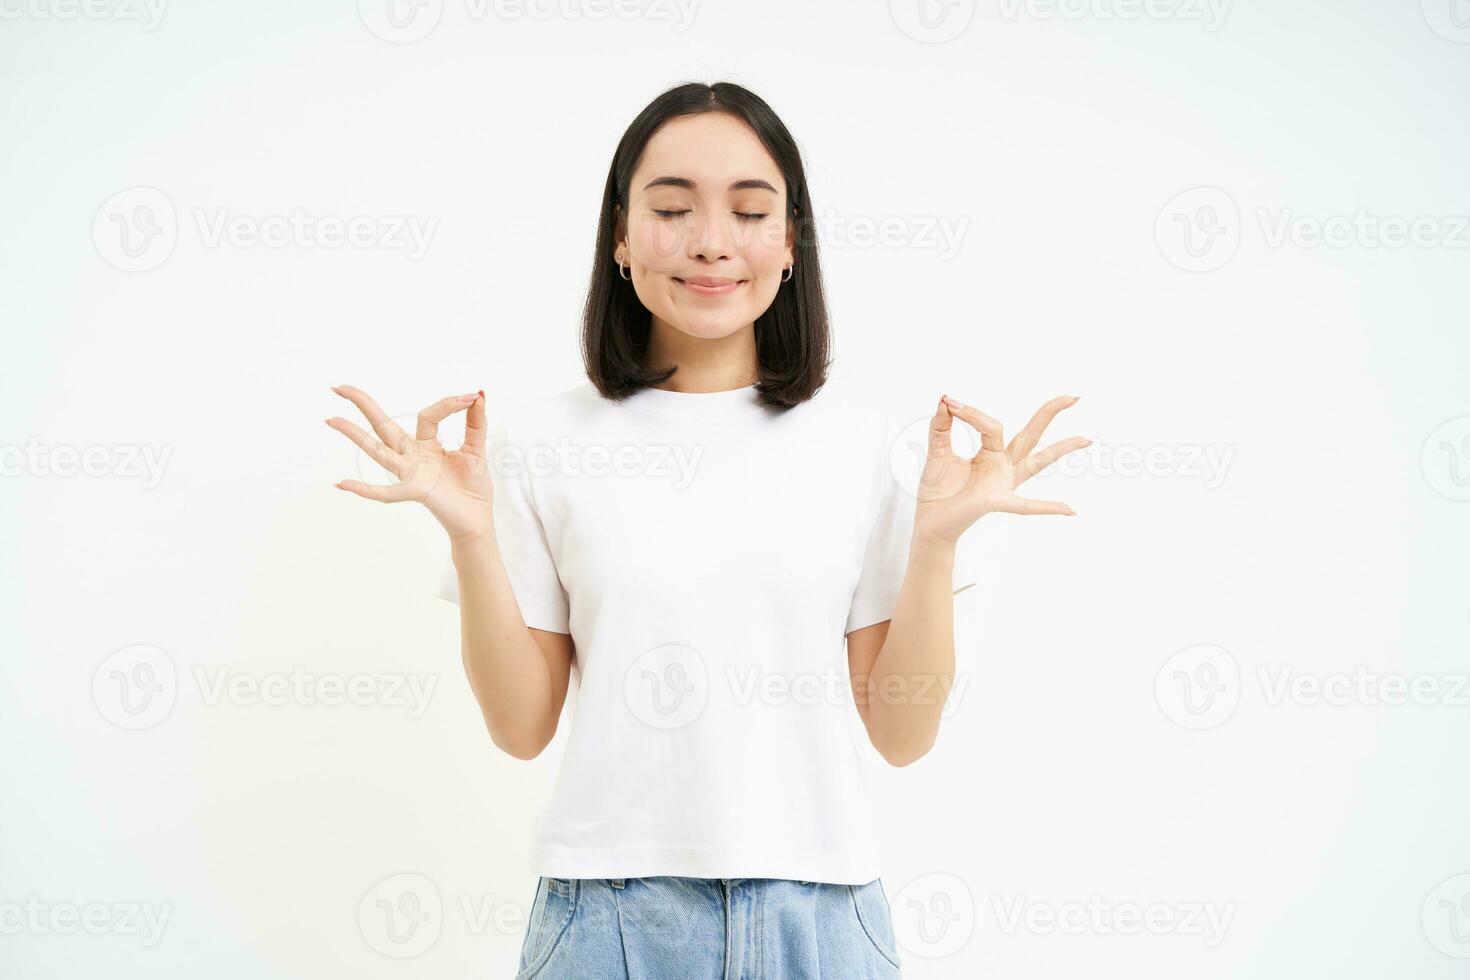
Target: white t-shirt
(708,555)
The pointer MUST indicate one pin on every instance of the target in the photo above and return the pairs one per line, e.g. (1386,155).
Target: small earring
(792,271)
(620,271)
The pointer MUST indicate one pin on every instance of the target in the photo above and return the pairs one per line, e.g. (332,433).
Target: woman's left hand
(955,492)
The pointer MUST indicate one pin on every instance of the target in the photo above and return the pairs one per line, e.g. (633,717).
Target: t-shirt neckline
(704,405)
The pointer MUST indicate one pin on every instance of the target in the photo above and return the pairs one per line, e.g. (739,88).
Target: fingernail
(955,402)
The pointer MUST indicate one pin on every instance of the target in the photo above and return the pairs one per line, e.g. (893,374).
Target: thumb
(941,428)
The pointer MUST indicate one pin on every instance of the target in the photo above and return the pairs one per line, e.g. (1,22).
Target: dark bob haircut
(791,337)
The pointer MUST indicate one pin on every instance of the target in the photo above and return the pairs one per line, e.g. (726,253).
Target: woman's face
(706,239)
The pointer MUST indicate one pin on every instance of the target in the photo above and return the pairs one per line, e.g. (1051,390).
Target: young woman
(691,534)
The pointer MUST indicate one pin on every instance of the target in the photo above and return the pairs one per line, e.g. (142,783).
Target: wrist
(471,546)
(929,548)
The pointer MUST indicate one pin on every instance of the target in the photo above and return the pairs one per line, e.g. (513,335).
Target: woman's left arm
(902,669)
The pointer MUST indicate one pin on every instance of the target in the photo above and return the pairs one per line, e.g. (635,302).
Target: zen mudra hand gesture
(955,492)
(455,486)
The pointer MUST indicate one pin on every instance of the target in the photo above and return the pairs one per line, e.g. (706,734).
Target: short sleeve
(524,547)
(885,559)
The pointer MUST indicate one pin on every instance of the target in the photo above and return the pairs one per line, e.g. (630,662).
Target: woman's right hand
(455,486)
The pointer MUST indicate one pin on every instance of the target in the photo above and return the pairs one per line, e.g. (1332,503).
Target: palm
(454,485)
(954,491)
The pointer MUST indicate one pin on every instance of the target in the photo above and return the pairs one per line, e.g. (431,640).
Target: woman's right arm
(519,675)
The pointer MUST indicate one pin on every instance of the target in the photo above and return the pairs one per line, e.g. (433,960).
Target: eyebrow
(749,183)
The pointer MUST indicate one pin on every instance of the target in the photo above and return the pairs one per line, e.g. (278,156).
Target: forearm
(914,670)
(506,669)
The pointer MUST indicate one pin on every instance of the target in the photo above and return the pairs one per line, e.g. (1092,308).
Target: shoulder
(545,414)
(879,417)
(856,407)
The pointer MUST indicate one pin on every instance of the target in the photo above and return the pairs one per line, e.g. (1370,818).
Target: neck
(705,364)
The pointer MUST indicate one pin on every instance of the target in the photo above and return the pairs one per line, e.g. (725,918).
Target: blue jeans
(667,928)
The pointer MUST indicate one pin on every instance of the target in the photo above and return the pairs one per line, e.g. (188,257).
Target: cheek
(764,247)
(659,245)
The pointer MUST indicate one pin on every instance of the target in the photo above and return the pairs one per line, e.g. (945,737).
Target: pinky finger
(1025,505)
(387,495)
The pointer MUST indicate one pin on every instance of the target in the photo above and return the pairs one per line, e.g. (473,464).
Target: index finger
(429,418)
(386,428)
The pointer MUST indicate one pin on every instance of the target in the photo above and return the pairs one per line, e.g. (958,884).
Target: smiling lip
(708,285)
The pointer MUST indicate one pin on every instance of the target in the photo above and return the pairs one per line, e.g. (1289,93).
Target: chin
(711,326)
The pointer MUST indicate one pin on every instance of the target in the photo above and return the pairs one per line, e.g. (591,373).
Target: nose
(710,238)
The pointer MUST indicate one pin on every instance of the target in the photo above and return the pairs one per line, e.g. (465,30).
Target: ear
(620,228)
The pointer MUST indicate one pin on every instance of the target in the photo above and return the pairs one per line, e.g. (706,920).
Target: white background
(1328,382)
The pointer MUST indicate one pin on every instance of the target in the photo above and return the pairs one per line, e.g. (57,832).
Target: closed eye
(742,215)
